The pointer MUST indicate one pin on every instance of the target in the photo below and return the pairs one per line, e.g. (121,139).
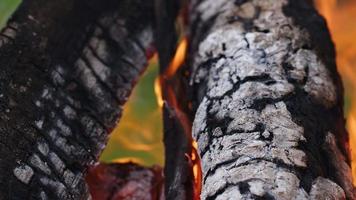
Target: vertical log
(179,178)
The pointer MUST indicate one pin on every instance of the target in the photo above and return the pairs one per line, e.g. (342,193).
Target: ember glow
(341,15)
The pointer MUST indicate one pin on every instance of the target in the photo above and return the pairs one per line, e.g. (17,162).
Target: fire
(177,61)
(352,129)
(158,91)
(178,58)
(326,7)
(129,160)
(196,168)
(339,15)
(165,92)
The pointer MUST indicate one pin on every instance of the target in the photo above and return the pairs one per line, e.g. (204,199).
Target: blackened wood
(165,30)
(268,101)
(66,69)
(179,179)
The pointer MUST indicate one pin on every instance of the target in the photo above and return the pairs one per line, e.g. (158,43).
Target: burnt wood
(268,101)
(67,67)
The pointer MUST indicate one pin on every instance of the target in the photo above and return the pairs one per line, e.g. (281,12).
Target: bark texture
(179,183)
(268,100)
(66,68)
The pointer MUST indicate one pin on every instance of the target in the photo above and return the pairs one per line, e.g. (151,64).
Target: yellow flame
(129,160)
(176,62)
(158,91)
(340,17)
(165,82)
(178,58)
(194,157)
(196,169)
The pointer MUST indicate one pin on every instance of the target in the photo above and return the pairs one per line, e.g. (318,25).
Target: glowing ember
(339,15)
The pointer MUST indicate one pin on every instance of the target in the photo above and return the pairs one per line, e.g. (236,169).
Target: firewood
(257,89)
(268,100)
(67,67)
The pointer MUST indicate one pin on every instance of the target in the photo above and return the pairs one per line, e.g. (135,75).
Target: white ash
(23,173)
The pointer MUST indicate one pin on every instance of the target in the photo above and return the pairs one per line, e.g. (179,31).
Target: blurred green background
(138,137)
(6,8)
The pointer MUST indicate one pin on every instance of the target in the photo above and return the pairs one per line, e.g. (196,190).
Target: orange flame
(196,169)
(176,62)
(339,15)
(158,91)
(164,82)
(178,59)
(352,130)
(129,160)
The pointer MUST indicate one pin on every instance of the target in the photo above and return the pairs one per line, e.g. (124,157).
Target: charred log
(178,168)
(268,100)
(179,178)
(67,68)
(166,35)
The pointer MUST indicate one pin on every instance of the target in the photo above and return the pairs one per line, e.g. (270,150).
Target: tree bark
(268,100)
(66,69)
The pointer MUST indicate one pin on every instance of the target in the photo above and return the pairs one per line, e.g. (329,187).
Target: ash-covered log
(268,99)
(67,67)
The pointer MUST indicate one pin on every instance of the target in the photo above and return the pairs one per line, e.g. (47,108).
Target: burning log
(182,161)
(67,68)
(268,100)
(182,164)
(259,91)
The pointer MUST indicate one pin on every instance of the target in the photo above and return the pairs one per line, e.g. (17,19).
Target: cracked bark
(268,101)
(67,68)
